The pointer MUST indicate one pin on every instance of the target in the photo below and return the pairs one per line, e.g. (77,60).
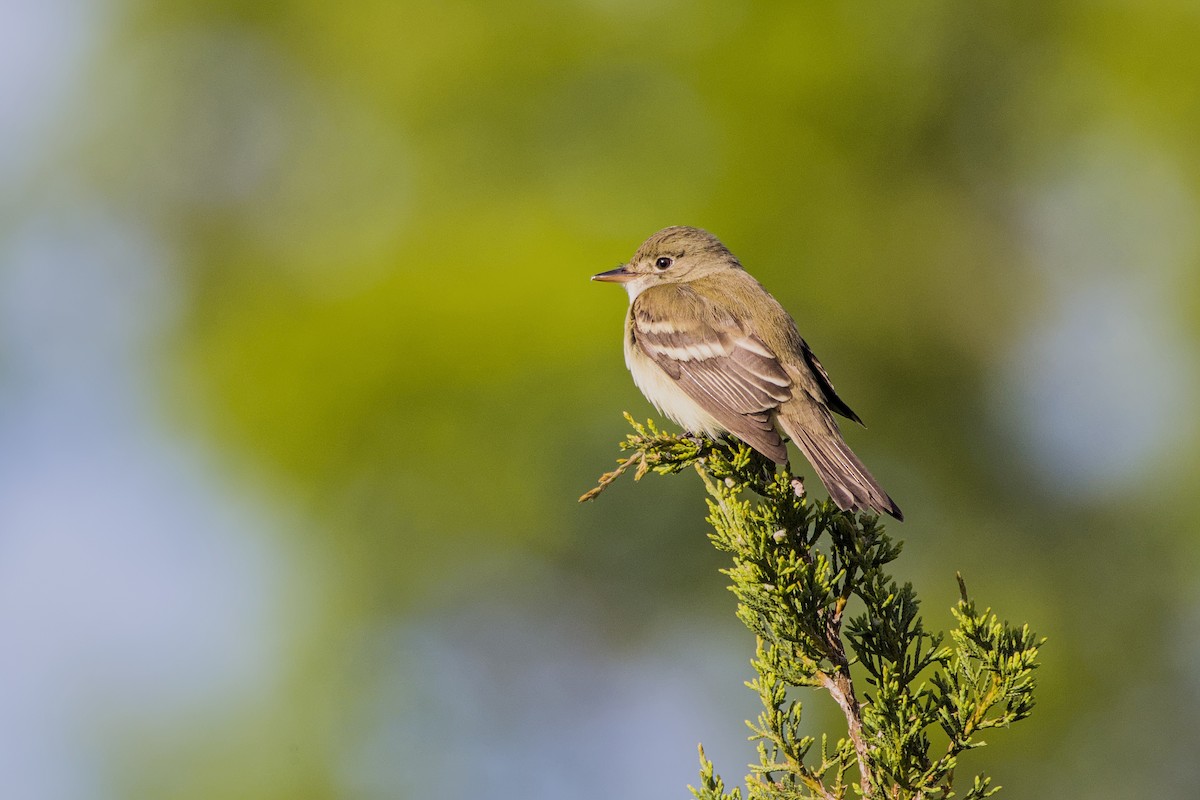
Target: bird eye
(664,262)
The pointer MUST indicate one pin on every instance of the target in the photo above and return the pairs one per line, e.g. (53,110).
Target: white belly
(666,395)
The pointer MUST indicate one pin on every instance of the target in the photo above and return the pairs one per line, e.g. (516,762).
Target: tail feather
(849,483)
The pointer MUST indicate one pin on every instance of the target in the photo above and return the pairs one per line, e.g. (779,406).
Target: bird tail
(845,477)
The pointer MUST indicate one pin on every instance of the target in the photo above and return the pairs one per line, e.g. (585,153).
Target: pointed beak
(618,275)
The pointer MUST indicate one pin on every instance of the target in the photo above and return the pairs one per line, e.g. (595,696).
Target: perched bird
(715,352)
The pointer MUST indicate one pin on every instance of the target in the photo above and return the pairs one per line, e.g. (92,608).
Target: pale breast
(666,395)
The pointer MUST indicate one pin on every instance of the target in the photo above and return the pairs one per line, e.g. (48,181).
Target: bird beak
(618,275)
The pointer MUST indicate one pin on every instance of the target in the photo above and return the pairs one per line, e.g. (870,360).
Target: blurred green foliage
(385,216)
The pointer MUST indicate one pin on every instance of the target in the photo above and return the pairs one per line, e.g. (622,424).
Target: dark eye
(664,262)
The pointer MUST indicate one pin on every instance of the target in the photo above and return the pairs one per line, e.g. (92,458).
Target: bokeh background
(301,375)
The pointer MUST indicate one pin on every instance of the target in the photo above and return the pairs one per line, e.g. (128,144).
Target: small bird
(715,352)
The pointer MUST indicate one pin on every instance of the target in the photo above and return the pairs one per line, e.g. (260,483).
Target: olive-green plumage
(714,351)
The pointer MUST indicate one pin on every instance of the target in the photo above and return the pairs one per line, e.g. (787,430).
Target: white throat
(637,286)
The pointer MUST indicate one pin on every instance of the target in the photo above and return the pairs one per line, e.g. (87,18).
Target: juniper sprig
(811,584)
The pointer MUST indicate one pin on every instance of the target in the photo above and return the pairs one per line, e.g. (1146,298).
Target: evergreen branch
(797,566)
(663,453)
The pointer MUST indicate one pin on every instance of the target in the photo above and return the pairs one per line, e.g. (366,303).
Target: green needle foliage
(811,584)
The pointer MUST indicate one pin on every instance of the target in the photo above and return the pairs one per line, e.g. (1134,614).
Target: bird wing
(719,364)
(830,394)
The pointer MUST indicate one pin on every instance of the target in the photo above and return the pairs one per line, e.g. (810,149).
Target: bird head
(678,254)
